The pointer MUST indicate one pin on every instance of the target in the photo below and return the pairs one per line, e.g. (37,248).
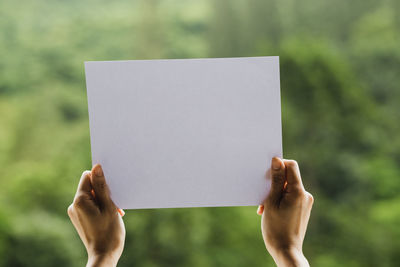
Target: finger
(101,190)
(278,180)
(85,185)
(121,212)
(76,223)
(84,200)
(294,182)
(260,209)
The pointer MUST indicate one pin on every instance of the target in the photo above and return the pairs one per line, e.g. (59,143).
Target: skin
(285,214)
(97,220)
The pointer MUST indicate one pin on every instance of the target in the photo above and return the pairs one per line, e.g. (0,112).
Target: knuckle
(310,198)
(85,173)
(277,178)
(292,164)
(70,210)
(79,202)
(102,185)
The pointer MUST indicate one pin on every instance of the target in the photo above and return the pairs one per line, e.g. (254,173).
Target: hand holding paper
(285,214)
(96,219)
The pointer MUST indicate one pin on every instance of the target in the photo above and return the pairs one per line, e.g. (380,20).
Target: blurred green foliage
(340,64)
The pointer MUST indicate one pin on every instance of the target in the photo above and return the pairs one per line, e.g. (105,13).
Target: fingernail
(121,212)
(259,210)
(276,165)
(98,171)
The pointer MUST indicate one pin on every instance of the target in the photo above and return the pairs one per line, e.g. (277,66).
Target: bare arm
(97,220)
(285,214)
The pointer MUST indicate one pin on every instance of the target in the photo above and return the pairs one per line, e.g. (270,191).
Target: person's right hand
(285,214)
(97,220)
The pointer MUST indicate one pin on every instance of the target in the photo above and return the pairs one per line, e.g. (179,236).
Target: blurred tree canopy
(340,79)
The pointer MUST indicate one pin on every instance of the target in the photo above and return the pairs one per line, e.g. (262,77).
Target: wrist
(100,260)
(289,257)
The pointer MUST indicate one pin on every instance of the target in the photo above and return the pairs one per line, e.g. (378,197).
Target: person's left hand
(97,220)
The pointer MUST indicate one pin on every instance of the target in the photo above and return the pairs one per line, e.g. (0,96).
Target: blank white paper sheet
(185,132)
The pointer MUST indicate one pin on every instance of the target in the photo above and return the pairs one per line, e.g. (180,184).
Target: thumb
(100,187)
(278,180)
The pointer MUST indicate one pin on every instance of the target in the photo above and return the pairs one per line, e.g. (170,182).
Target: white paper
(185,132)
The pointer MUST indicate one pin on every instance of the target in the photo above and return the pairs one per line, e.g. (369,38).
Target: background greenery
(340,77)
